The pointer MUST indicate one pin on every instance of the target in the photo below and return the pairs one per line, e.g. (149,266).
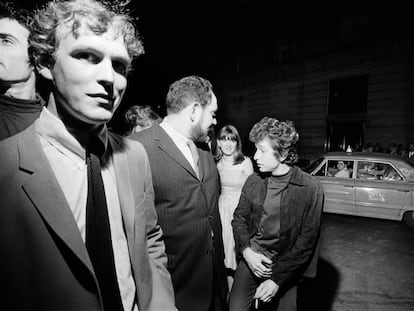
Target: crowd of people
(392,148)
(168,217)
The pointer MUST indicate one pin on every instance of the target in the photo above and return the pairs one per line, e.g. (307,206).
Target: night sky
(209,37)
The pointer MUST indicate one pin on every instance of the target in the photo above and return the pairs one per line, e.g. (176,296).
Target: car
(368,184)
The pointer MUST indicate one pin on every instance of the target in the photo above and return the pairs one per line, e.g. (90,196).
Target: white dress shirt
(180,141)
(67,159)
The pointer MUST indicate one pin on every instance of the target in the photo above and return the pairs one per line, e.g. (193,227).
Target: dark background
(220,40)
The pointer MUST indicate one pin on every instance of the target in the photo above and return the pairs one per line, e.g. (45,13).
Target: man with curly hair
(276,223)
(138,118)
(20,106)
(79,229)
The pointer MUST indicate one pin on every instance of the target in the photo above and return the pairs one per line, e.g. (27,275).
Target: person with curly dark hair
(138,118)
(276,223)
(20,106)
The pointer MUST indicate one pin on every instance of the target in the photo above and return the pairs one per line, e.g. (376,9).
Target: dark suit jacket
(44,262)
(188,214)
(301,207)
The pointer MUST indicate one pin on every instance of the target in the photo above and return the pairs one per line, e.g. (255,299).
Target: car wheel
(409,219)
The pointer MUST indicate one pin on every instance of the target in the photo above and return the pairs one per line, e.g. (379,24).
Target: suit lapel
(202,166)
(126,197)
(167,145)
(44,191)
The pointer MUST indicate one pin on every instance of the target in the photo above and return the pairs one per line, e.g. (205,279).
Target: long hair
(229,132)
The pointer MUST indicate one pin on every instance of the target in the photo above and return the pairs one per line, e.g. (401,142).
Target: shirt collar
(295,177)
(53,129)
(175,135)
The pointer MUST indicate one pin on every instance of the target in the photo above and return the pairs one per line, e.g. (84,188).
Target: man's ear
(195,112)
(45,72)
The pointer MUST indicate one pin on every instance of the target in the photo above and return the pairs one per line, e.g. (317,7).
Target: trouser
(244,287)
(217,301)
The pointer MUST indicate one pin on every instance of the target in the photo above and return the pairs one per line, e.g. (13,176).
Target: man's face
(89,74)
(14,58)
(207,119)
(340,165)
(265,156)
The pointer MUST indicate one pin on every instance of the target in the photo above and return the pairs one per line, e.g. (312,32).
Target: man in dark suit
(186,188)
(67,185)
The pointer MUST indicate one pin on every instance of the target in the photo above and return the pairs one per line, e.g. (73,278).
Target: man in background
(19,104)
(343,171)
(186,185)
(78,228)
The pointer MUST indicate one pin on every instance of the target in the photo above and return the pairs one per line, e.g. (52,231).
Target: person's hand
(258,263)
(266,291)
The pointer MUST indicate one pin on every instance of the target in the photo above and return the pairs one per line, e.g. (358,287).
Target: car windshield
(312,166)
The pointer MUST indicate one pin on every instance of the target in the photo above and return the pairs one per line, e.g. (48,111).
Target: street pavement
(365,265)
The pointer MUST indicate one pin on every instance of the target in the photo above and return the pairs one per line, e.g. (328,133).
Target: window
(390,174)
(321,171)
(340,168)
(348,95)
(313,165)
(336,168)
(377,171)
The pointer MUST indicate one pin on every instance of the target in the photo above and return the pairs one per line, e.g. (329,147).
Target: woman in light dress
(234,168)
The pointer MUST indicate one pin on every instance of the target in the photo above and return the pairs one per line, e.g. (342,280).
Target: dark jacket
(17,114)
(301,206)
(188,214)
(44,262)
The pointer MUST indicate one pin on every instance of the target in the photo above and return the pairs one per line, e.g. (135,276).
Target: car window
(340,168)
(390,174)
(313,165)
(321,171)
(377,171)
(368,170)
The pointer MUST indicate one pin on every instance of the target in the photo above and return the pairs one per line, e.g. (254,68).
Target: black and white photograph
(191,155)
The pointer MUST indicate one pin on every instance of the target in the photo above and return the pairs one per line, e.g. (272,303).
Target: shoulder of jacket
(144,135)
(309,180)
(254,179)
(125,144)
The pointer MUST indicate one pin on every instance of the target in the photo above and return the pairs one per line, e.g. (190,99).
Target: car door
(382,193)
(339,191)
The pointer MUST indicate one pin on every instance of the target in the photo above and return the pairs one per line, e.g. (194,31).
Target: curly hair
(97,17)
(283,137)
(187,89)
(142,116)
(11,11)
(231,133)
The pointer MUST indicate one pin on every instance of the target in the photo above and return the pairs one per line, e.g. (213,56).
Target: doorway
(342,134)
